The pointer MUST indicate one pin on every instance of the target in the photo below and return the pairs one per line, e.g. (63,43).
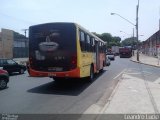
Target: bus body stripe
(73,73)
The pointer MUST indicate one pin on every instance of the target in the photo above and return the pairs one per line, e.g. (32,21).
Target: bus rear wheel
(91,77)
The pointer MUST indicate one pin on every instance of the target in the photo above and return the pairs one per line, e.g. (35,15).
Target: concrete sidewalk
(132,99)
(134,96)
(145,59)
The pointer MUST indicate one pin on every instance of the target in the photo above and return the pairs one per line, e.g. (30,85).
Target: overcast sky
(93,15)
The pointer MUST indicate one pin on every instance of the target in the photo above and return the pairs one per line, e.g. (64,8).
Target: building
(6,43)
(150,46)
(13,44)
(20,46)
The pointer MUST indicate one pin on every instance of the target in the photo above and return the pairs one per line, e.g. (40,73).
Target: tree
(98,35)
(129,42)
(116,39)
(107,37)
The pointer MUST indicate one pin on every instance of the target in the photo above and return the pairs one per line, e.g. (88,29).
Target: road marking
(119,74)
(146,72)
(132,73)
(133,69)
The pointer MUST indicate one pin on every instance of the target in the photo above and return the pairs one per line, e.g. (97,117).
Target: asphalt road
(42,95)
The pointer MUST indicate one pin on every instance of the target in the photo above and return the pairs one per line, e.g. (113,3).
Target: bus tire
(91,77)
(104,64)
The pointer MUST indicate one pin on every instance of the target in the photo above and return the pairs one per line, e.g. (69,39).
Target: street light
(123,18)
(136,25)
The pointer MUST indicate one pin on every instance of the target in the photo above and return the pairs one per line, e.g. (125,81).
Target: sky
(94,15)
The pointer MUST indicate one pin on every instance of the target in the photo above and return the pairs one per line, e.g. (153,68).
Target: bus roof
(97,38)
(77,25)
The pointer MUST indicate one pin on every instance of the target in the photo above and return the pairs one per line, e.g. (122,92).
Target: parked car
(4,79)
(111,56)
(108,61)
(11,66)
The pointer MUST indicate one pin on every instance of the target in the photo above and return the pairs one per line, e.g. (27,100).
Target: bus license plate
(55,69)
(51,74)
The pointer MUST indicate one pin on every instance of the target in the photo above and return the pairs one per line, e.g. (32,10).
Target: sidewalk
(144,59)
(134,95)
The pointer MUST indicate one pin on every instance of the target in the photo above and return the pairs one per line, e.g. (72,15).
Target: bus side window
(104,48)
(82,40)
(101,47)
(88,42)
(92,44)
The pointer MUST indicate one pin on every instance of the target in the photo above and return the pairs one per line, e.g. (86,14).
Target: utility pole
(25,31)
(137,30)
(133,42)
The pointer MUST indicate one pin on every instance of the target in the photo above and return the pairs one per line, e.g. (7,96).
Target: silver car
(108,61)
(111,56)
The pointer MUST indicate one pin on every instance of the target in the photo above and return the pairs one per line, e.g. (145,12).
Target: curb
(113,92)
(98,109)
(110,98)
(145,63)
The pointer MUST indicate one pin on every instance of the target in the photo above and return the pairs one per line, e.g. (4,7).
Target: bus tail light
(74,61)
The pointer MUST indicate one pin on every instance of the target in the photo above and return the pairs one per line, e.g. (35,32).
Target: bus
(64,50)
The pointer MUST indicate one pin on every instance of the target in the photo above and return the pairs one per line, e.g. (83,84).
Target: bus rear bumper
(66,74)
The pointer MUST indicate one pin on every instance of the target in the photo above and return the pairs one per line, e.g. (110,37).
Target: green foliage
(111,41)
(107,37)
(129,42)
(116,41)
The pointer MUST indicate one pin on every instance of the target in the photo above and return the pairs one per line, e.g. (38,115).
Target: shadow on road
(72,87)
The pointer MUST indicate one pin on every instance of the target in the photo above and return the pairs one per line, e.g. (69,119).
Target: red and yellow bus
(64,50)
